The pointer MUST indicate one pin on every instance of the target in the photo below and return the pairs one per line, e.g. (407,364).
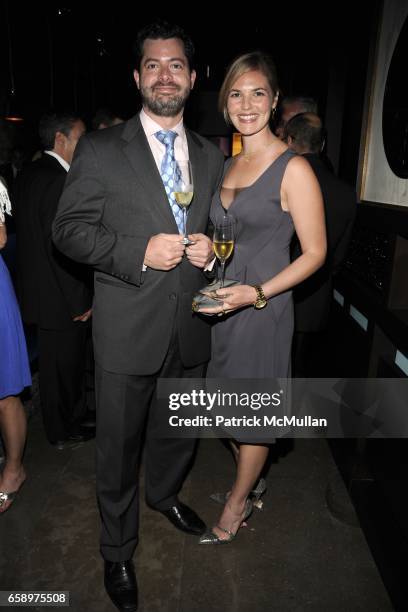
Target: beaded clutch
(206,296)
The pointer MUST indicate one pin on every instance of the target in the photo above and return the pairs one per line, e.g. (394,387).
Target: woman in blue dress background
(14,376)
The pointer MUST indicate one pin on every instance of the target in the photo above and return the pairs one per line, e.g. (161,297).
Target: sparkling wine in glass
(183,190)
(223,241)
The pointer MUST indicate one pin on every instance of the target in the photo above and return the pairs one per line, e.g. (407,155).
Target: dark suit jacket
(52,289)
(114,201)
(313,297)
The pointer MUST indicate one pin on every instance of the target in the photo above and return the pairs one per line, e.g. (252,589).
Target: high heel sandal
(255,495)
(209,537)
(9,496)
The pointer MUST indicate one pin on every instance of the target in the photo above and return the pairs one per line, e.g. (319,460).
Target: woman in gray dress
(270,192)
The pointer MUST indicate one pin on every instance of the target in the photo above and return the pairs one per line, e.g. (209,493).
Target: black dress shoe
(74,439)
(185,519)
(82,435)
(121,585)
(89,419)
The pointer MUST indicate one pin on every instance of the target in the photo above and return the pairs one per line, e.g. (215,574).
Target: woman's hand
(232,298)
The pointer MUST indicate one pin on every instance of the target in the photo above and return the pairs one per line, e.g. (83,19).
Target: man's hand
(164,251)
(201,252)
(84,317)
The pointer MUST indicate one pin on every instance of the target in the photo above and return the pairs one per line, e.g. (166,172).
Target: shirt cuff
(209,267)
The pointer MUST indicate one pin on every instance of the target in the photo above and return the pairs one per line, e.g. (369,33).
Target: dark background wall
(80,57)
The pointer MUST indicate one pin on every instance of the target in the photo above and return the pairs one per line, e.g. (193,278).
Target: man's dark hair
(105,116)
(162,30)
(54,122)
(308,104)
(307,131)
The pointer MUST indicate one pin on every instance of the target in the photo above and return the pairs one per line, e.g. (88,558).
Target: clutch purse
(205,298)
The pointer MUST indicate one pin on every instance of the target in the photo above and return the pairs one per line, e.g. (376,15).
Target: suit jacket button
(172,296)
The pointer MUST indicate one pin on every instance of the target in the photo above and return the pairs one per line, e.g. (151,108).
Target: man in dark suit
(54,291)
(116,215)
(304,134)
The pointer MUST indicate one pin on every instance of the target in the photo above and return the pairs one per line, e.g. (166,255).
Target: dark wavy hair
(53,122)
(162,30)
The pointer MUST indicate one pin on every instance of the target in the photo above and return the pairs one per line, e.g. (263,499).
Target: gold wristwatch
(261,300)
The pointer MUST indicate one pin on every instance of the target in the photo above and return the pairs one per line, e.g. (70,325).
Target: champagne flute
(223,241)
(183,185)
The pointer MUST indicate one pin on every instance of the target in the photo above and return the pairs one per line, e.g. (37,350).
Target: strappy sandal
(5,497)
(255,495)
(10,496)
(209,537)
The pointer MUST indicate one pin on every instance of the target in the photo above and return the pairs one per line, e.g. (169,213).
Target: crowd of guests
(101,205)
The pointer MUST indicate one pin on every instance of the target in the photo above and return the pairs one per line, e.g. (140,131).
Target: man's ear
(59,139)
(136,76)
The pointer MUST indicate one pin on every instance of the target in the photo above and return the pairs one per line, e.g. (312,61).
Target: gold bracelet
(261,300)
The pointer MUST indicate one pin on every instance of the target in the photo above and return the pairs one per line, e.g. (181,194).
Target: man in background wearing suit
(290,106)
(54,291)
(304,134)
(116,215)
(105,118)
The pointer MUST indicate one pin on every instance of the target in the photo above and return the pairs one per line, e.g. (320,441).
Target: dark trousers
(126,408)
(62,379)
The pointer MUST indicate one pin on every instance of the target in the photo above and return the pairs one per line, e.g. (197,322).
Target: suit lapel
(137,150)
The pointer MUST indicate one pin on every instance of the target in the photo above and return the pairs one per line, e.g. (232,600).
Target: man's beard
(164,105)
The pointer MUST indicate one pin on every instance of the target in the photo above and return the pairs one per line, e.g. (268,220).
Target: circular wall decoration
(383,167)
(395,108)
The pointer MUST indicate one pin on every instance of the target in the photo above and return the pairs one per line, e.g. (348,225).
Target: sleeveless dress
(256,343)
(14,365)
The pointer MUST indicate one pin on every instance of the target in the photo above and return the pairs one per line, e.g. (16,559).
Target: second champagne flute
(223,241)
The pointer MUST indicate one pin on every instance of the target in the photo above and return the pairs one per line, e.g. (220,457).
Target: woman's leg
(235,450)
(13,425)
(251,459)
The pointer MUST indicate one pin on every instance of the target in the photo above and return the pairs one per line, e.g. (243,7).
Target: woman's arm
(302,197)
(5,207)
(3,235)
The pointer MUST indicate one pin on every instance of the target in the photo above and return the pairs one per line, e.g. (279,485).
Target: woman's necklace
(248,156)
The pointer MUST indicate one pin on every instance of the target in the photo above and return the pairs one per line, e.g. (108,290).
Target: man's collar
(62,161)
(150,126)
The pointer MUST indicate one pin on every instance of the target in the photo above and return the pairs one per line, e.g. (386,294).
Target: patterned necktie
(169,170)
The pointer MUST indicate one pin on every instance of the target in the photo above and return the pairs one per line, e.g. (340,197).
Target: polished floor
(293,556)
